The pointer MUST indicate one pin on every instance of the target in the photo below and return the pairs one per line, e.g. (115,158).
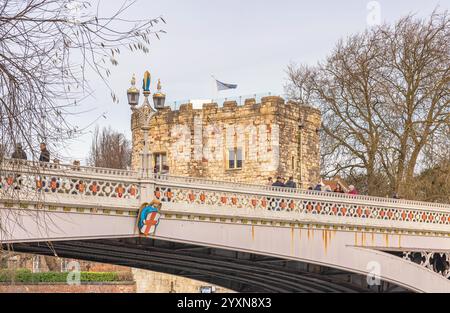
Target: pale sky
(244,42)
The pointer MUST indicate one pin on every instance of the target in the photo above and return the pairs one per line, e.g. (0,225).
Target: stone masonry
(200,142)
(152,282)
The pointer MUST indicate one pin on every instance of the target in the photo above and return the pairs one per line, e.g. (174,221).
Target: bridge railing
(299,192)
(31,179)
(296,205)
(41,167)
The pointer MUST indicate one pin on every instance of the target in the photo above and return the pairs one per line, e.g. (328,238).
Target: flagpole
(212,90)
(215,93)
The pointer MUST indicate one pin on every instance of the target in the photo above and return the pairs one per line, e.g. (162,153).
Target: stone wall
(152,282)
(39,263)
(299,143)
(197,141)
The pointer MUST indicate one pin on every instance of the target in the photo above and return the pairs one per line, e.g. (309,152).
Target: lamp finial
(159,85)
(146,83)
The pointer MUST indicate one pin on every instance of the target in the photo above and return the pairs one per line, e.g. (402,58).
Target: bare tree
(433,184)
(46,49)
(110,149)
(344,88)
(384,95)
(298,87)
(415,83)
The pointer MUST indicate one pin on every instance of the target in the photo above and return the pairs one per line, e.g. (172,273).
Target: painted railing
(354,210)
(30,178)
(191,181)
(125,187)
(20,166)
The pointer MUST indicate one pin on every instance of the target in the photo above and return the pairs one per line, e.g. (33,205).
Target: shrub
(26,276)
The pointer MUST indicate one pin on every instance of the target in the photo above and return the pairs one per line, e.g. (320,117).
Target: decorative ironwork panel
(286,203)
(438,262)
(62,184)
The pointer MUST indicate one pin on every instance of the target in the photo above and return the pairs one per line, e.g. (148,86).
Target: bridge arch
(287,243)
(238,271)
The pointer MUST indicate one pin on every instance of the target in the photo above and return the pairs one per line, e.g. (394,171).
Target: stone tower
(246,143)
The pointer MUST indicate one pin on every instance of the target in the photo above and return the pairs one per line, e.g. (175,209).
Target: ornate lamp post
(159,98)
(133,94)
(146,113)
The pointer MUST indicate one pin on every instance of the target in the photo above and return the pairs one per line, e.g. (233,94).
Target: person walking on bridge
(18,153)
(339,188)
(352,190)
(2,152)
(45,154)
(291,183)
(278,183)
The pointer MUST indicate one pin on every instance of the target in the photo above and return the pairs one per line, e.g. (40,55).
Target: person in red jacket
(352,190)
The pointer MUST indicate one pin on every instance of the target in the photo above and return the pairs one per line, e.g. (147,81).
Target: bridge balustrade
(122,185)
(264,198)
(19,179)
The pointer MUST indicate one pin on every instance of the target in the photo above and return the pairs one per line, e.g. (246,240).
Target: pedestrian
(269,181)
(2,152)
(278,183)
(291,183)
(328,188)
(45,154)
(76,165)
(18,153)
(56,163)
(318,186)
(352,190)
(339,188)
